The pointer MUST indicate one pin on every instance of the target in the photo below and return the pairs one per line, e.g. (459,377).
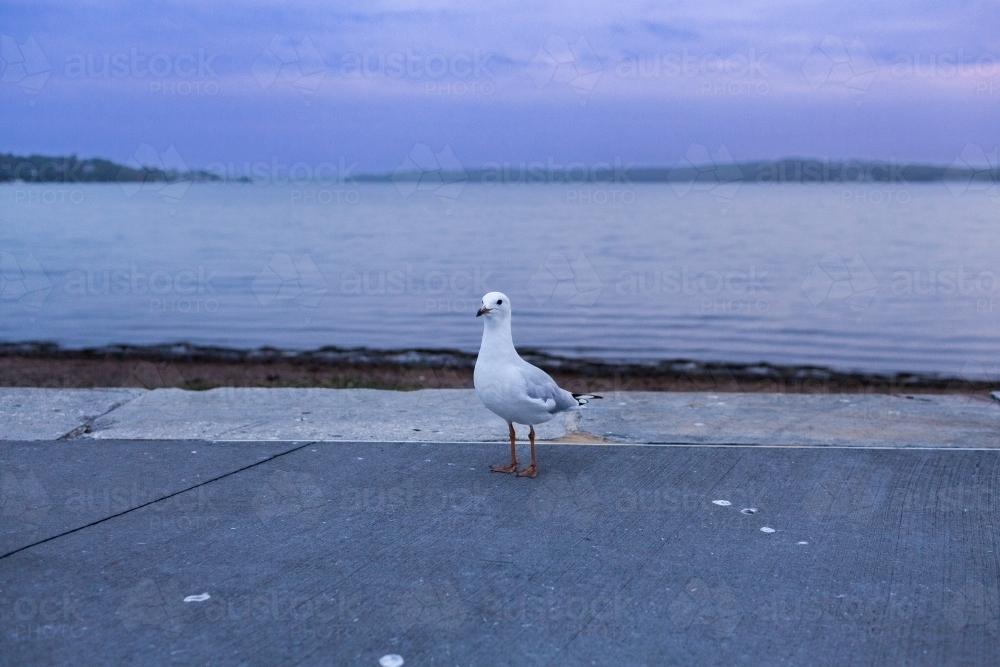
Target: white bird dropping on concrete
(513,389)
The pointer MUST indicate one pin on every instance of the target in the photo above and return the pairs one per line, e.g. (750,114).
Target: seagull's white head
(496,305)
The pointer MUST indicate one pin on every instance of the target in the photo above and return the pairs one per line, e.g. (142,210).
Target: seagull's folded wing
(542,388)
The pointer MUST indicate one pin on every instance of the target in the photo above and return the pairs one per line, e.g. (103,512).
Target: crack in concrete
(89,422)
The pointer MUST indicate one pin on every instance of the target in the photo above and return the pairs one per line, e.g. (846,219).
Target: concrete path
(328,527)
(181,552)
(456,415)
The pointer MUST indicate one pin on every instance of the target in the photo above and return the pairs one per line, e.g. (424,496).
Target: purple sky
(288,82)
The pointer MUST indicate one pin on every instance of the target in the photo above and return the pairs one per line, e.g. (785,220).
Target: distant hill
(801,170)
(46,169)
(788,170)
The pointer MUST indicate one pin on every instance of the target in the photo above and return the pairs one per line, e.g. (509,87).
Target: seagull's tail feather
(583,399)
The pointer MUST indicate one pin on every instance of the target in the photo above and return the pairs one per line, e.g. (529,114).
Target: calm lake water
(898,278)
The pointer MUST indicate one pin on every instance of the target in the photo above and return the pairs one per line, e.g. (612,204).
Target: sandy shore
(192,367)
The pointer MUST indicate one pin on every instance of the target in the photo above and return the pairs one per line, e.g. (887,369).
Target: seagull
(512,388)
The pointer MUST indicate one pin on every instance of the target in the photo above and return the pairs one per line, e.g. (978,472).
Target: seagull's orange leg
(513,452)
(531,470)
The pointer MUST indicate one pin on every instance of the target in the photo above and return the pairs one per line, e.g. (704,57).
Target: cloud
(372,116)
(669,32)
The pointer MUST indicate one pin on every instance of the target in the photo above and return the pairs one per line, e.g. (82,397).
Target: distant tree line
(46,169)
(788,170)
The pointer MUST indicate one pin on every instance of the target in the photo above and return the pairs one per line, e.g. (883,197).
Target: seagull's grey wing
(540,387)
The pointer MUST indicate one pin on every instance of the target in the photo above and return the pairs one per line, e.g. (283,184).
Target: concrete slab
(846,420)
(456,415)
(432,415)
(28,413)
(47,489)
(342,553)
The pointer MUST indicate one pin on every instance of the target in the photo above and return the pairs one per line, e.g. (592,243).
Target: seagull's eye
(499,301)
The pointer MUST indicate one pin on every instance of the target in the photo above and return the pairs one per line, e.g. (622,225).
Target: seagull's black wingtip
(582,399)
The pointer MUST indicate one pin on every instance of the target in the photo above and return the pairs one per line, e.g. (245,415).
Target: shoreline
(194,367)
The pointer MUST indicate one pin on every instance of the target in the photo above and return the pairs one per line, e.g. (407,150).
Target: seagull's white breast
(502,390)
(508,385)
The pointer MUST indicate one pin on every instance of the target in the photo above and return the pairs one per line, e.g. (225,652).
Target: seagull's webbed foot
(498,467)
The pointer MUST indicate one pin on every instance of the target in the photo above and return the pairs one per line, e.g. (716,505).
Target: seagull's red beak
(482,311)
